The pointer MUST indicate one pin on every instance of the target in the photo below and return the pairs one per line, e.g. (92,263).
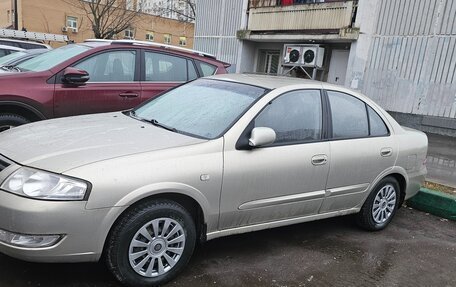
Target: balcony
(300,15)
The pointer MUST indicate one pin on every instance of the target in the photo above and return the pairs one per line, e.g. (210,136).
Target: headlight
(44,185)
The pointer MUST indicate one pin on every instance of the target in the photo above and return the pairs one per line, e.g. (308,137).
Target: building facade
(400,53)
(174,9)
(60,17)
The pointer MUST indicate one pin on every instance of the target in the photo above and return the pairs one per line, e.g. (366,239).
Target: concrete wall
(49,16)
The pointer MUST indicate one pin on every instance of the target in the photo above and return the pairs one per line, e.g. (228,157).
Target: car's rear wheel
(9,121)
(151,244)
(381,205)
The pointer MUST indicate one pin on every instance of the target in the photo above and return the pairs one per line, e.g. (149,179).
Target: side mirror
(262,136)
(75,77)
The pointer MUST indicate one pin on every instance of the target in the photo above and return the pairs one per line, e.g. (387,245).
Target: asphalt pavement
(417,249)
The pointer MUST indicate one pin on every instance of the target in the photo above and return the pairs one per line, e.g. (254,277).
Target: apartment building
(60,17)
(401,53)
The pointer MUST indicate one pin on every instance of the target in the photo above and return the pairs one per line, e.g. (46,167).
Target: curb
(434,202)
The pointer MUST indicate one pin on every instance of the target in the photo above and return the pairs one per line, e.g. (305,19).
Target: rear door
(113,86)
(361,149)
(162,71)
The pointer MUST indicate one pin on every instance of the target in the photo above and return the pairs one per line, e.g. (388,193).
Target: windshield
(6,59)
(203,108)
(52,58)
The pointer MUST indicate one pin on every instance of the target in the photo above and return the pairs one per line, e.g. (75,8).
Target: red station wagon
(97,76)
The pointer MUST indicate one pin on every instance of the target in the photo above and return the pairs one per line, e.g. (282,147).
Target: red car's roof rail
(158,45)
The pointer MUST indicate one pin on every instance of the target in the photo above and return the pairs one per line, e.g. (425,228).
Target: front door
(113,85)
(285,179)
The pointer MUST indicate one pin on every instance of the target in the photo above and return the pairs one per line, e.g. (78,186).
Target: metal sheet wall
(412,59)
(216,25)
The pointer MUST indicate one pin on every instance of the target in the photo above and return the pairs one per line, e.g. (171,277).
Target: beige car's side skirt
(279,223)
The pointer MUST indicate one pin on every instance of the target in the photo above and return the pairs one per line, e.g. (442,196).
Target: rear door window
(165,68)
(377,126)
(349,116)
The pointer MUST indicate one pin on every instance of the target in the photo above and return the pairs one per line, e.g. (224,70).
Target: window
(268,61)
(191,71)
(377,126)
(165,68)
(117,66)
(295,117)
(129,4)
(182,41)
(52,58)
(149,36)
(72,22)
(129,33)
(206,69)
(167,38)
(349,117)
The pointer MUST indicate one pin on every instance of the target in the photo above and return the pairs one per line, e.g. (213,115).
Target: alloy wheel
(384,204)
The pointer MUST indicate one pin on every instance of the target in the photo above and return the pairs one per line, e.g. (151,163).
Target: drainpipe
(16,17)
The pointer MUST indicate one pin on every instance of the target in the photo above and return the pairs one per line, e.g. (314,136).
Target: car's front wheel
(9,121)
(151,243)
(381,205)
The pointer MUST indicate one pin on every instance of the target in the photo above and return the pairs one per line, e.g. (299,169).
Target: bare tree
(108,17)
(184,10)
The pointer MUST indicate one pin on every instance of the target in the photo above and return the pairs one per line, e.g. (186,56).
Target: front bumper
(84,231)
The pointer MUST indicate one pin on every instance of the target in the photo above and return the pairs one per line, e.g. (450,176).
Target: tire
(8,121)
(140,223)
(386,197)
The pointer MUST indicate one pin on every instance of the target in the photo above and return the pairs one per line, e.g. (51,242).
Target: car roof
(6,47)
(265,81)
(28,42)
(202,56)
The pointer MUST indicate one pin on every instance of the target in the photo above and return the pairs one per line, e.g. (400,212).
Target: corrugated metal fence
(412,60)
(216,25)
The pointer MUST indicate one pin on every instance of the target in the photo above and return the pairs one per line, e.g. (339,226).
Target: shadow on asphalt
(19,273)
(331,252)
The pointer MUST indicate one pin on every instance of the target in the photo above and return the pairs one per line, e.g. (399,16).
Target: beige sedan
(217,156)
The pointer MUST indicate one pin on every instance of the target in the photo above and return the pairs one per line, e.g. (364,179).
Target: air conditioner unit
(64,29)
(293,55)
(303,55)
(75,30)
(312,56)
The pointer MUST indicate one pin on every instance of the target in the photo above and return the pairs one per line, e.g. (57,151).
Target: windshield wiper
(154,122)
(158,124)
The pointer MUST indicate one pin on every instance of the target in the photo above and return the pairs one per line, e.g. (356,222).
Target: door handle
(128,95)
(387,151)
(319,159)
